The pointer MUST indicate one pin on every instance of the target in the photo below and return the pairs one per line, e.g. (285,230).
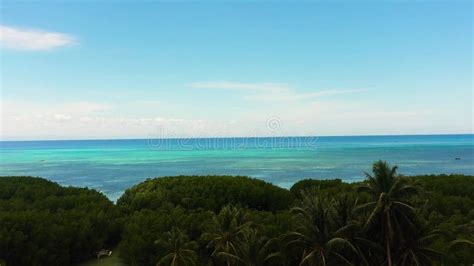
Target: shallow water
(111,166)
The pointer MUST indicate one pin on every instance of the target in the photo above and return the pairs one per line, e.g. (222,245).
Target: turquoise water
(111,166)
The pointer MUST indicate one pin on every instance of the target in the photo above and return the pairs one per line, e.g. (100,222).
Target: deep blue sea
(111,166)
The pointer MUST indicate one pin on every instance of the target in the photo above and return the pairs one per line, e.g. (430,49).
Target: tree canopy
(387,219)
(42,223)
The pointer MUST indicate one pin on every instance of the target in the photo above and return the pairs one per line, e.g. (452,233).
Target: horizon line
(240,137)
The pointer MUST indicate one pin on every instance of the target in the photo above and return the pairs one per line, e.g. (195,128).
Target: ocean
(111,166)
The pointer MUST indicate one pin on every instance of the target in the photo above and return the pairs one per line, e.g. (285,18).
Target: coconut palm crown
(391,217)
(179,250)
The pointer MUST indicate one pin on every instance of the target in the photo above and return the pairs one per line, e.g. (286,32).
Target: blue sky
(126,70)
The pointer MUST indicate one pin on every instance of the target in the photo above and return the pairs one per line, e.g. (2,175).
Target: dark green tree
(391,217)
(460,252)
(179,250)
(316,235)
(227,228)
(254,249)
(416,249)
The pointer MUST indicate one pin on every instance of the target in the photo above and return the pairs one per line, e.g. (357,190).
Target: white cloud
(32,39)
(62,117)
(79,120)
(269,92)
(25,117)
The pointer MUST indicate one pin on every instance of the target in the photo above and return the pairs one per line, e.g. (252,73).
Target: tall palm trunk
(228,251)
(387,240)
(323,258)
(389,257)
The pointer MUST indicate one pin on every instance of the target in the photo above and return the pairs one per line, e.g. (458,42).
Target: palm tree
(460,252)
(390,213)
(227,229)
(349,226)
(179,250)
(314,234)
(254,250)
(344,207)
(416,249)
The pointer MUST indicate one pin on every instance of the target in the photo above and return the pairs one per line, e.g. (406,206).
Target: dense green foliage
(388,219)
(329,185)
(204,192)
(188,203)
(42,223)
(448,205)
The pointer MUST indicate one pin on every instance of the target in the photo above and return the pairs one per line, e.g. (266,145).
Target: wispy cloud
(270,91)
(32,39)
(228,85)
(21,110)
(77,120)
